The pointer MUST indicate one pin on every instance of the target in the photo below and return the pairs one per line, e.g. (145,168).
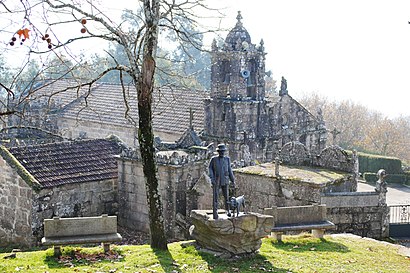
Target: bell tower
(238,68)
(235,110)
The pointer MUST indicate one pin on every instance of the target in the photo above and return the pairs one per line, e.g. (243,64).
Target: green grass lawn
(296,254)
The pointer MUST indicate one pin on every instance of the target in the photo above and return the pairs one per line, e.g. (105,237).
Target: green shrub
(370,177)
(373,163)
(391,178)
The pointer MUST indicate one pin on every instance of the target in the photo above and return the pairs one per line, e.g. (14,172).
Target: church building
(238,112)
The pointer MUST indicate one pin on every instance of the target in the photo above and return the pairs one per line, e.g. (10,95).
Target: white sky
(345,49)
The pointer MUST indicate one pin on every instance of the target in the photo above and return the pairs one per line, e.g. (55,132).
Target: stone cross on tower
(295,135)
(334,133)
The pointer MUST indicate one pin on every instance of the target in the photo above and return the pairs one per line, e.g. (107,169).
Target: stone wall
(73,200)
(177,175)
(265,192)
(15,208)
(72,128)
(359,213)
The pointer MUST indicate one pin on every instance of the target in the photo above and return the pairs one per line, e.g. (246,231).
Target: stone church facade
(237,111)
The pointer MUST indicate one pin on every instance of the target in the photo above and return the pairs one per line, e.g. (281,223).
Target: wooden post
(318,233)
(106,247)
(57,251)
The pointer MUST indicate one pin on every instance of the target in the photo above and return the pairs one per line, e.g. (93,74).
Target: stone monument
(230,235)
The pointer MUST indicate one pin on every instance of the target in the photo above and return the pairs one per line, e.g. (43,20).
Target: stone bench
(299,218)
(80,230)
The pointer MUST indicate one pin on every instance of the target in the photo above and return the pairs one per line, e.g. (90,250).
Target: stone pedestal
(235,235)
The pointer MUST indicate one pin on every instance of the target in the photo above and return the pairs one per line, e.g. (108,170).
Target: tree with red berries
(51,32)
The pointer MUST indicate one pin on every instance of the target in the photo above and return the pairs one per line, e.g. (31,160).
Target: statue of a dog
(235,203)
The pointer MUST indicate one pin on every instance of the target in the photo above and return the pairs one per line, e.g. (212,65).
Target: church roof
(62,163)
(238,35)
(105,103)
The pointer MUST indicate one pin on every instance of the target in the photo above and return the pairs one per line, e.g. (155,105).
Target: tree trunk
(145,87)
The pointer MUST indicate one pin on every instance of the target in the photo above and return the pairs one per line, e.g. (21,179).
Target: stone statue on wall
(381,186)
(283,87)
(221,175)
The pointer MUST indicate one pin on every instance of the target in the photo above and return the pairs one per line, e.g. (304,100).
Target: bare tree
(45,20)
(354,126)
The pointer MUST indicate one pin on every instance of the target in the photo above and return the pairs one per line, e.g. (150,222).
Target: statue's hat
(221,147)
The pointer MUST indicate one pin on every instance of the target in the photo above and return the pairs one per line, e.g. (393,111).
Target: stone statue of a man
(221,175)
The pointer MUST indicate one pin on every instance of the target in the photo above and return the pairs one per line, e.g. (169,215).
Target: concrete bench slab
(80,230)
(299,218)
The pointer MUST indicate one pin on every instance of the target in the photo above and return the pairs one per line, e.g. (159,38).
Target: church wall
(73,129)
(290,121)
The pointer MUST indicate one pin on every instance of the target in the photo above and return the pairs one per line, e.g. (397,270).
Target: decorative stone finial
(261,46)
(239,18)
(214,45)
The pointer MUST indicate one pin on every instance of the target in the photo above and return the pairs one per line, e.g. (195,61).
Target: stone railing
(180,157)
(169,157)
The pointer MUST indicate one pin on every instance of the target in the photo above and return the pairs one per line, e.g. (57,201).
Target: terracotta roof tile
(105,103)
(69,162)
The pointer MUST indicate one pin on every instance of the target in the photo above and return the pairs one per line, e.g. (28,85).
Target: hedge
(390,178)
(373,163)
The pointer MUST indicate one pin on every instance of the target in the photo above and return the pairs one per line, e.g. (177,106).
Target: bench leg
(57,251)
(276,235)
(106,247)
(318,233)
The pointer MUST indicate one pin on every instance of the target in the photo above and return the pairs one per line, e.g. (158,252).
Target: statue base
(233,235)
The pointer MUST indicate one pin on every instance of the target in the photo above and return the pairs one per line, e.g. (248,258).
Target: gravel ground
(132,237)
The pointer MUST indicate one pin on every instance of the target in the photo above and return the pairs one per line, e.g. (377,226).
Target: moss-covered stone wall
(73,200)
(175,182)
(15,208)
(294,186)
(359,213)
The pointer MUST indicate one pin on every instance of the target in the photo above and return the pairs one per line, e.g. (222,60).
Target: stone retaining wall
(15,208)
(73,200)
(265,192)
(358,212)
(175,182)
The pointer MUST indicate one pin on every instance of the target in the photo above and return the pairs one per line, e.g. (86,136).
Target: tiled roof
(69,162)
(104,103)
(58,92)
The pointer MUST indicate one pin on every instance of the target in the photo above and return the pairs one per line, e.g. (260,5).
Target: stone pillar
(381,189)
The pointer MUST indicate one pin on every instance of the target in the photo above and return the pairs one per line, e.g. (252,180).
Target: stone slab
(350,199)
(66,227)
(71,240)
